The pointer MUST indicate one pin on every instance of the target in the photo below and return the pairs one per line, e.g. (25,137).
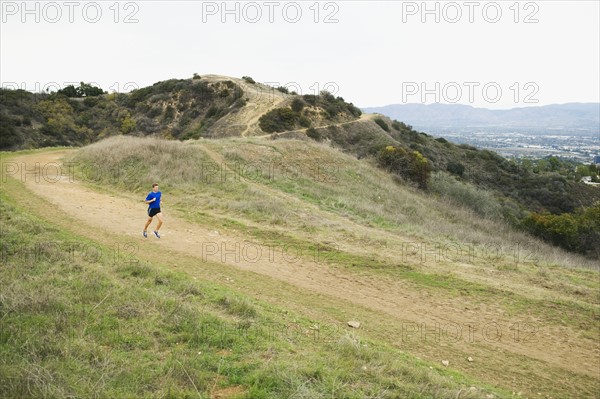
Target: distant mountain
(571,115)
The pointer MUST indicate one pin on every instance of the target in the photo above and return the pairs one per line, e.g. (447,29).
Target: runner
(153,201)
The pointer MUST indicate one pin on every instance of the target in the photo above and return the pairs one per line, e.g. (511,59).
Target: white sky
(377,52)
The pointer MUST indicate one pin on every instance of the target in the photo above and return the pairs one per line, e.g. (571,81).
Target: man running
(153,201)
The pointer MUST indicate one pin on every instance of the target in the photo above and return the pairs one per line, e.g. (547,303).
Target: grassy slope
(78,319)
(361,212)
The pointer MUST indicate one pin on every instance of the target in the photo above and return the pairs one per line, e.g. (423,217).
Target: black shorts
(153,211)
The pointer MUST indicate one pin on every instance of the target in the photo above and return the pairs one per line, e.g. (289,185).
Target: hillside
(208,106)
(213,106)
(283,233)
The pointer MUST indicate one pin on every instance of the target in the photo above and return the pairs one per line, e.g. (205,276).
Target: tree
(84,90)
(87,90)
(69,91)
(554,163)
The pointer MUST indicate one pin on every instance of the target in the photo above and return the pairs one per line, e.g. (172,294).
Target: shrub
(314,134)
(578,231)
(283,89)
(466,195)
(90,101)
(354,110)
(310,99)
(382,124)
(278,120)
(411,165)
(196,76)
(456,168)
(297,105)
(240,102)
(248,79)
(304,121)
(128,125)
(169,114)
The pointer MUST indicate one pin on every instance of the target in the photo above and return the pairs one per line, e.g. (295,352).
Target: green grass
(82,323)
(352,190)
(359,224)
(435,283)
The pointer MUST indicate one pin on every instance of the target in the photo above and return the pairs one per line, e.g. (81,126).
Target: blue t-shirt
(154,204)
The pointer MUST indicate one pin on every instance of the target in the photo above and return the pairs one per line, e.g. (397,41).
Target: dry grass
(310,193)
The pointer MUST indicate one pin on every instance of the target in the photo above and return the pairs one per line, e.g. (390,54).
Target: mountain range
(584,116)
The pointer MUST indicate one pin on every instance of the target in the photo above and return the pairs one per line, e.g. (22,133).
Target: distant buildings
(597,159)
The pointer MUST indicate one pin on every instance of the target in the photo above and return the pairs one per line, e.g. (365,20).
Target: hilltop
(210,106)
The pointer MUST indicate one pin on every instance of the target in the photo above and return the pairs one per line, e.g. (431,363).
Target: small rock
(354,324)
(470,359)
(445,363)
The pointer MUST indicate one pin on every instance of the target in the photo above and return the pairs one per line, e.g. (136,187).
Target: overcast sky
(500,54)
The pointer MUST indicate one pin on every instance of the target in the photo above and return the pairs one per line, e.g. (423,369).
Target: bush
(314,134)
(196,76)
(466,195)
(169,114)
(240,102)
(283,89)
(578,231)
(310,99)
(411,165)
(278,120)
(382,124)
(304,121)
(354,110)
(297,105)
(456,168)
(248,79)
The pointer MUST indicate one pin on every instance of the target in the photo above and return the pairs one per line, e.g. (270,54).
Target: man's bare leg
(148,223)
(160,220)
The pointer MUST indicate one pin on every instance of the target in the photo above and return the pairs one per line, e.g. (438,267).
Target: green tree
(555,163)
(87,90)
(69,91)
(127,123)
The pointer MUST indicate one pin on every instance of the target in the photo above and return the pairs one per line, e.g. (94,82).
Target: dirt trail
(261,99)
(362,118)
(110,214)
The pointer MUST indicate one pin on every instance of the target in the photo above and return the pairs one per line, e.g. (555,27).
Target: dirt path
(553,351)
(362,118)
(261,99)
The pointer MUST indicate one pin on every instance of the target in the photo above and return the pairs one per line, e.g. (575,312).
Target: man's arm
(147,201)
